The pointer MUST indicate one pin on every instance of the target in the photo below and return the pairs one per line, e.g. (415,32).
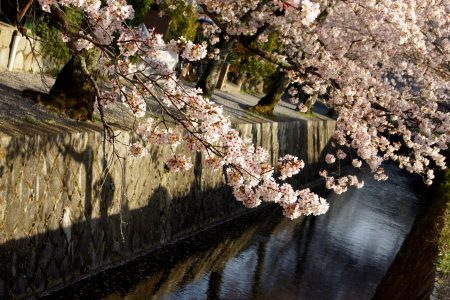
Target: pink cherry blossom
(330,159)
(179,163)
(381,65)
(302,108)
(137,150)
(289,165)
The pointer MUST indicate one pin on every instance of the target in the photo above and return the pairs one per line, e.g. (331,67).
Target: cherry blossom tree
(382,65)
(135,68)
(250,24)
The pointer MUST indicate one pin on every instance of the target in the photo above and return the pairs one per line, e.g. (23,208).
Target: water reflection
(341,255)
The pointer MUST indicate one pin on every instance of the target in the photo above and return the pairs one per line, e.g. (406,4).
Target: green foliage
(31,120)
(54,51)
(258,67)
(233,58)
(141,9)
(246,62)
(272,44)
(443,260)
(183,22)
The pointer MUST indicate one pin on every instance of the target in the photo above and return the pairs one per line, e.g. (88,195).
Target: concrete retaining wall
(24,59)
(64,216)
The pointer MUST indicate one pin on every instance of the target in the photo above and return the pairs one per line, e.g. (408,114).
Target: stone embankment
(72,204)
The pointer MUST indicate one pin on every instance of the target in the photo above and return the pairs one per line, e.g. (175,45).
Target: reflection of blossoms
(356,163)
(329,158)
(302,108)
(341,154)
(380,177)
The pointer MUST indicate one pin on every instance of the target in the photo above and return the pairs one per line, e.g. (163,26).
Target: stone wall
(69,209)
(24,60)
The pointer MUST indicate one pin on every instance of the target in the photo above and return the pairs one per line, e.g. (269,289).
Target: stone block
(18,62)
(4,57)
(53,274)
(36,65)
(2,289)
(23,43)
(29,45)
(39,280)
(5,36)
(28,64)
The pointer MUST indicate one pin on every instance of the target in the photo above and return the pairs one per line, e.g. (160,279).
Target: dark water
(341,255)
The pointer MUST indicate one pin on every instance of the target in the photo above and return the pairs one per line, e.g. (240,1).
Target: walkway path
(20,116)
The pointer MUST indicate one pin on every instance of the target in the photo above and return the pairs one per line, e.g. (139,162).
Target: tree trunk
(267,104)
(208,79)
(72,94)
(73,90)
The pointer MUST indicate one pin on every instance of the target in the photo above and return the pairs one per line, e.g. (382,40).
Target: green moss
(183,20)
(96,118)
(31,120)
(55,52)
(443,260)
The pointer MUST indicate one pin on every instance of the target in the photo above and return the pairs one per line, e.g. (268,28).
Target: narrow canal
(341,255)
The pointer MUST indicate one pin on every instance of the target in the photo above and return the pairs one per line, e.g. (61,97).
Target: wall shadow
(95,239)
(262,255)
(50,260)
(160,272)
(43,260)
(84,245)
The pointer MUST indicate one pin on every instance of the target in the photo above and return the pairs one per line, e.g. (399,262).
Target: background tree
(184,20)
(248,67)
(208,79)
